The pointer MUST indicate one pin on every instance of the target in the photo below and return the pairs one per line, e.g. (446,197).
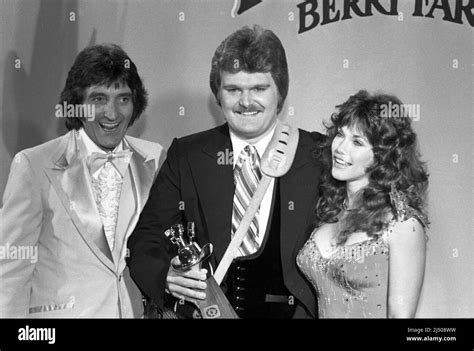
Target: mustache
(250,108)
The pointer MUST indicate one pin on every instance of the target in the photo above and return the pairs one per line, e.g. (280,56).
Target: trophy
(190,255)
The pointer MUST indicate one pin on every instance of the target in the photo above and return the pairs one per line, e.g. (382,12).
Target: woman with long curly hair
(366,255)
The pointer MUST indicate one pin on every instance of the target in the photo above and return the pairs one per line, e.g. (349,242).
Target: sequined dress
(352,282)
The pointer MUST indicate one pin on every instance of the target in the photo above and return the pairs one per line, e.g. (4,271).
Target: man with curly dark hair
(74,200)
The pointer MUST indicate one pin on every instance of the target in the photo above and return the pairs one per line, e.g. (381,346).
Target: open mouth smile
(340,162)
(247,113)
(109,127)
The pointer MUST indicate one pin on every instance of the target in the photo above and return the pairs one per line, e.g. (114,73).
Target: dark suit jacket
(194,185)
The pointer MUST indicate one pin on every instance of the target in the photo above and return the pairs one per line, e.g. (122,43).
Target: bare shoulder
(407,232)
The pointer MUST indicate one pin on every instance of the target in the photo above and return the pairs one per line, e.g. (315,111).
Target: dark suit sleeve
(318,138)
(150,249)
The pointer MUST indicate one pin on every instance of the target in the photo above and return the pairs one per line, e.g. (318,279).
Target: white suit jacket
(48,206)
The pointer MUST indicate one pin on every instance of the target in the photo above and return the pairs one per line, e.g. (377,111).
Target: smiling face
(113,111)
(351,155)
(249,102)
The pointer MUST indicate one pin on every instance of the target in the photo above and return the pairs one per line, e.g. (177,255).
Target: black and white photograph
(237,159)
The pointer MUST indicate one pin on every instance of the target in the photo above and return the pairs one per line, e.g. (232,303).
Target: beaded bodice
(352,281)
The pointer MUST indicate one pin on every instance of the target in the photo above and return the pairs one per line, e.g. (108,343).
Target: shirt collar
(91,147)
(238,143)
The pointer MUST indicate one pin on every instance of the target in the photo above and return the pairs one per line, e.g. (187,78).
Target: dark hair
(102,64)
(396,162)
(251,50)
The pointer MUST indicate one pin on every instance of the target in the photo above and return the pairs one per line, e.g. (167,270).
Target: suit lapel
(133,197)
(214,181)
(212,171)
(126,214)
(70,178)
(296,205)
(143,170)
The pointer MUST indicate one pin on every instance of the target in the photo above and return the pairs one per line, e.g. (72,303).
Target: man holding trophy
(270,210)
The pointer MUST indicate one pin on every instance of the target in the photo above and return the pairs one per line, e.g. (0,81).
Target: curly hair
(396,162)
(251,50)
(103,64)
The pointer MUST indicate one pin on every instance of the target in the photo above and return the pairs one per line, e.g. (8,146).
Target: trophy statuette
(190,255)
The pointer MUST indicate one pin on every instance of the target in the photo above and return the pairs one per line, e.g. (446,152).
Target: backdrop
(418,50)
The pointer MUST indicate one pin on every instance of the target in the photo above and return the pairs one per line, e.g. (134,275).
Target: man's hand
(189,285)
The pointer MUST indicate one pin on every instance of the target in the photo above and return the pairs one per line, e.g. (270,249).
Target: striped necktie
(247,175)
